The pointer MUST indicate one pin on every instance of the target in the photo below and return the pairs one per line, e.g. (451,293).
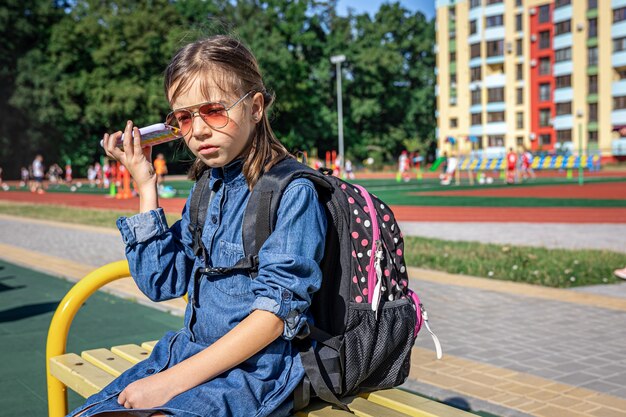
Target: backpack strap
(261,212)
(200,200)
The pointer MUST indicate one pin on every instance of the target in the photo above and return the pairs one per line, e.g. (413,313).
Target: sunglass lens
(180,119)
(214,114)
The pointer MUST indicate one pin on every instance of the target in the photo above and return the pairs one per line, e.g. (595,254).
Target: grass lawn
(67,214)
(541,266)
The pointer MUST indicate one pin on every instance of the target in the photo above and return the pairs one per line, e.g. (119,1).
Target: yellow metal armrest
(62,320)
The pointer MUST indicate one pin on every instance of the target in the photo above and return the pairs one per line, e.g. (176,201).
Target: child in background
(234,356)
(160,169)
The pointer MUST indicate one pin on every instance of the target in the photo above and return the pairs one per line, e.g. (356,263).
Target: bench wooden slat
(149,346)
(131,352)
(363,408)
(81,376)
(318,409)
(106,360)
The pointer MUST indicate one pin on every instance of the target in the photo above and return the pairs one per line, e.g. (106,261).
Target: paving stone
(577,378)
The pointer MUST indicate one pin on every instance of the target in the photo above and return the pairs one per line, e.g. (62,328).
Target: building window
(477,119)
(475,74)
(621,73)
(619,103)
(473,27)
(593,84)
(564,54)
(495,48)
(544,39)
(563,27)
(592,56)
(476,97)
(453,122)
(492,21)
(544,66)
(563,81)
(619,44)
(495,116)
(592,4)
(545,140)
(452,56)
(519,69)
(592,31)
(564,135)
(519,120)
(593,112)
(475,3)
(544,92)
(495,140)
(475,50)
(519,47)
(519,140)
(544,13)
(494,2)
(619,14)
(495,95)
(563,108)
(544,117)
(518,22)
(561,3)
(519,96)
(592,137)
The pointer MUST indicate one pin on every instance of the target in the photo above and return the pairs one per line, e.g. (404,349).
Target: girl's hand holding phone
(137,160)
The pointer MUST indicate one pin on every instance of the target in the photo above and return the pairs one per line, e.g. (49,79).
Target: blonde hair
(234,69)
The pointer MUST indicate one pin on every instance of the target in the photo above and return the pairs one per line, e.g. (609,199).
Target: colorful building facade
(540,74)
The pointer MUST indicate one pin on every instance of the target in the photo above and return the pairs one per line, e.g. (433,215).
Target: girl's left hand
(149,392)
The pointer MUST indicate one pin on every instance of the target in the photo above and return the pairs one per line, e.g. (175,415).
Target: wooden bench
(95,368)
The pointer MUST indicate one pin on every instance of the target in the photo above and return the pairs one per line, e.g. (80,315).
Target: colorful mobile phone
(153,135)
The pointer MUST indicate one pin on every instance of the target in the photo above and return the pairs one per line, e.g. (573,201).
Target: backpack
(365,316)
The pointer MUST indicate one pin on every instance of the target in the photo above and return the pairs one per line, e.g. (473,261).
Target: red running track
(403,213)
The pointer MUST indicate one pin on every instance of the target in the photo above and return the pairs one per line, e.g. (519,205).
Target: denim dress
(162,263)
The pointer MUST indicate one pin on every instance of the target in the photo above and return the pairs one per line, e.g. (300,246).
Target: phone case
(153,135)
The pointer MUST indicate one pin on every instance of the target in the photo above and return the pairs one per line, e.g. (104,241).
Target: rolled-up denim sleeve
(289,272)
(160,257)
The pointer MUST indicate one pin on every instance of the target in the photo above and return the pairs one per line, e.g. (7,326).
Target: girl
(234,355)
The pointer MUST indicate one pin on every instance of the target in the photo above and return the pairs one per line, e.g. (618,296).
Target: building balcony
(494,9)
(562,13)
(475,62)
(476,108)
(476,13)
(618,59)
(563,95)
(476,130)
(562,68)
(565,121)
(494,34)
(562,41)
(498,128)
(496,59)
(475,38)
(618,117)
(618,30)
(497,80)
(618,88)
(499,106)
(616,4)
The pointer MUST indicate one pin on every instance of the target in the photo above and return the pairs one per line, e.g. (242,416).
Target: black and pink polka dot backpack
(365,318)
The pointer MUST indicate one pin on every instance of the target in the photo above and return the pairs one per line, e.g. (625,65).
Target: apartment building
(541,74)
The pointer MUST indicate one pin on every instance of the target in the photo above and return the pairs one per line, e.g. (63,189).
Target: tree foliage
(72,71)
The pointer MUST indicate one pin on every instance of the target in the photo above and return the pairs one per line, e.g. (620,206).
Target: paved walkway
(510,349)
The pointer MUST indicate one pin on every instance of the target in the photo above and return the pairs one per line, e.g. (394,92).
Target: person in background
(160,168)
(24,177)
(38,174)
(620,273)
